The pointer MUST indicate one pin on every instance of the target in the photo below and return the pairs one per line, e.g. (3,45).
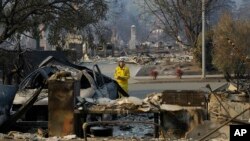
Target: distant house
(75,42)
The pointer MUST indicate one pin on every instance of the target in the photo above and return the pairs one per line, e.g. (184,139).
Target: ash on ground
(135,130)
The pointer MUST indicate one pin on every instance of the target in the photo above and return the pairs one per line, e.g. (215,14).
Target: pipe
(221,104)
(225,123)
(212,92)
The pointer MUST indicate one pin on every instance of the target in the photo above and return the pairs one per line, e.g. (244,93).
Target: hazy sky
(238,2)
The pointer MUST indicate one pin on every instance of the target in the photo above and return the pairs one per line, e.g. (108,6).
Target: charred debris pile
(64,101)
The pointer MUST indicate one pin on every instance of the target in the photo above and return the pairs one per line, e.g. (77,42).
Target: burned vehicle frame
(37,80)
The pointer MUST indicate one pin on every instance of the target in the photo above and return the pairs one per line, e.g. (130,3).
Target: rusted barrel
(61,103)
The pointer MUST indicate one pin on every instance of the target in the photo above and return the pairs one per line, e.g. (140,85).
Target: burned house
(61,96)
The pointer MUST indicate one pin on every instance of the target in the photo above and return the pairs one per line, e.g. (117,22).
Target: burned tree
(231,46)
(20,16)
(183,17)
(57,17)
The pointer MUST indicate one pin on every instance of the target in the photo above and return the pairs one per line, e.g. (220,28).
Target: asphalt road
(141,86)
(142,89)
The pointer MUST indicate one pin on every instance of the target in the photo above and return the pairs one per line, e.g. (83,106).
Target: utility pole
(203,42)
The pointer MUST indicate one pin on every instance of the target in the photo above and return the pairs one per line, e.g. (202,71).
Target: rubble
(135,130)
(52,68)
(14,135)
(227,101)
(183,114)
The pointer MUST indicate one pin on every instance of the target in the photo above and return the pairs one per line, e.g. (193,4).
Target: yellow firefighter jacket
(122,75)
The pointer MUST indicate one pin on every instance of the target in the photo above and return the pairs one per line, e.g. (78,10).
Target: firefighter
(122,74)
